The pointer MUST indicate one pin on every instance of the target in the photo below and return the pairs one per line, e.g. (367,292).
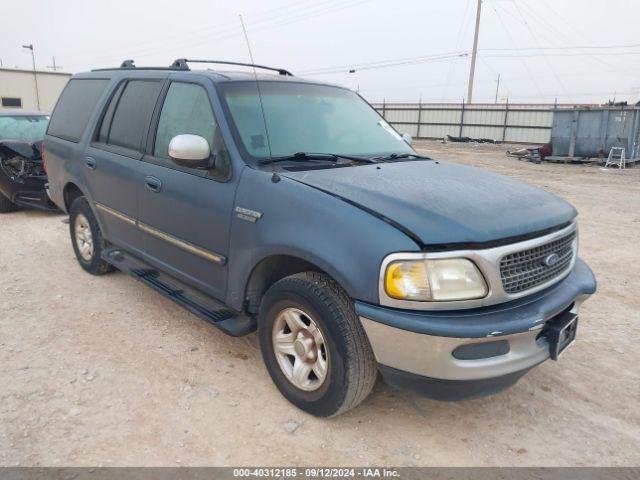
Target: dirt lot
(104,371)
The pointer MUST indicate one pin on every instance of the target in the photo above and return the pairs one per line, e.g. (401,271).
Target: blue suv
(268,202)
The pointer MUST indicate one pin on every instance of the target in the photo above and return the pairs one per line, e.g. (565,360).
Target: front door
(185,213)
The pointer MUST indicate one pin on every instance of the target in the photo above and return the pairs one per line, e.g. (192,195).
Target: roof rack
(182,64)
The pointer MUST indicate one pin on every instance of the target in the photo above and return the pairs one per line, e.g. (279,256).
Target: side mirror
(407,138)
(191,151)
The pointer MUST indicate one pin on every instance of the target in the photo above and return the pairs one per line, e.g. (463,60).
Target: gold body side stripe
(189,247)
(115,213)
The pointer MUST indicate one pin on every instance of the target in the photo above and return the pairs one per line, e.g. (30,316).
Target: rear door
(185,213)
(112,159)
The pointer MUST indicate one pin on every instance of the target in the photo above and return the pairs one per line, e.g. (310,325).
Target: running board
(229,321)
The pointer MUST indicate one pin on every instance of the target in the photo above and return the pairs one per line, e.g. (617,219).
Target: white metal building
(18,88)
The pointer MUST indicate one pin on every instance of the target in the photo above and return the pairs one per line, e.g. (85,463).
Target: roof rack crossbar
(182,64)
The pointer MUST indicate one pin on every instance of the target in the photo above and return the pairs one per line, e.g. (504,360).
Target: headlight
(434,280)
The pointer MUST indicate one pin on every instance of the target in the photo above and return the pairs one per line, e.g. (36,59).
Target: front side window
(186,110)
(311,118)
(29,128)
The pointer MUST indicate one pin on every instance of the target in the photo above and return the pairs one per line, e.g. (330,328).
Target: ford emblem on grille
(551,260)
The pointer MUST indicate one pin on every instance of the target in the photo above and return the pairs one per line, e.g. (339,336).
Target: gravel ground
(104,371)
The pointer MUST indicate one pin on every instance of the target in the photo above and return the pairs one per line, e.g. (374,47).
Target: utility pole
(474,53)
(35,75)
(54,67)
(497,88)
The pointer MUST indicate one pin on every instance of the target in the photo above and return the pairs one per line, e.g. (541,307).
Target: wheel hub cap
(300,349)
(84,237)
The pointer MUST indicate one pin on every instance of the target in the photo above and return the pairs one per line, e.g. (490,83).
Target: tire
(81,218)
(350,369)
(6,205)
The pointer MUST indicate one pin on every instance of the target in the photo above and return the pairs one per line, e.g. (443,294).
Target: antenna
(55,67)
(255,74)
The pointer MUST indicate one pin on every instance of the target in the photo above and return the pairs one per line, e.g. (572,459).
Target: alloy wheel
(300,349)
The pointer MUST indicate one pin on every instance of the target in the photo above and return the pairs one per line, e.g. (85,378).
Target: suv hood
(441,202)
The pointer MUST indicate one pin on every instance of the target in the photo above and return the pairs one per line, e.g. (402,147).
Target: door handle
(90,163)
(153,184)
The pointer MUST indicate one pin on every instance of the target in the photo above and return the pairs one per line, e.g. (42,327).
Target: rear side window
(75,107)
(132,114)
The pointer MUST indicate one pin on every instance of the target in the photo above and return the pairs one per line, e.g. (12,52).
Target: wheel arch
(269,269)
(70,192)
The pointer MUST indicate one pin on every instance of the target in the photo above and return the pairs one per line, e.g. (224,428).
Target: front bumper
(493,346)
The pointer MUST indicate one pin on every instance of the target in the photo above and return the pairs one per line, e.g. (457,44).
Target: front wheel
(86,238)
(314,346)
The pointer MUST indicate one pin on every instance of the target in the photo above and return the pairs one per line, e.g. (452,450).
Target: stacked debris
(451,138)
(534,154)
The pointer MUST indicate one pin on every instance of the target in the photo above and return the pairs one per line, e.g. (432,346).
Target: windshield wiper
(306,156)
(399,156)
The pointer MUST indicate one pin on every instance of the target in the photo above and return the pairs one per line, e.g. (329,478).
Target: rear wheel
(86,238)
(314,346)
(7,205)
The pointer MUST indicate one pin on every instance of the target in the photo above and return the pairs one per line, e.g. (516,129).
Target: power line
(228,30)
(572,47)
(297,18)
(576,54)
(513,42)
(451,56)
(215,29)
(556,33)
(384,63)
(535,39)
(453,64)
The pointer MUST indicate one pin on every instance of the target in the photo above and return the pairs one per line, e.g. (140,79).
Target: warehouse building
(29,90)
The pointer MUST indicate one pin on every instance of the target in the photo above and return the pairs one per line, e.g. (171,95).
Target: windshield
(23,127)
(308,118)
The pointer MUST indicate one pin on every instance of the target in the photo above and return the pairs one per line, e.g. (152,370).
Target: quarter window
(186,109)
(74,108)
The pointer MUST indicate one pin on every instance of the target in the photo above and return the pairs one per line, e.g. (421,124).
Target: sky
(575,51)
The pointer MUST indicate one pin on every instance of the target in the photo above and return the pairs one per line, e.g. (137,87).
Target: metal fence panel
(521,123)
(437,131)
(484,117)
(530,118)
(394,115)
(482,132)
(440,116)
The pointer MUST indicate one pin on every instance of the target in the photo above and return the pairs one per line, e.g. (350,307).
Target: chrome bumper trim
(431,356)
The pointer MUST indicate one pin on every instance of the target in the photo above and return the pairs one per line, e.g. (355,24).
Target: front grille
(523,270)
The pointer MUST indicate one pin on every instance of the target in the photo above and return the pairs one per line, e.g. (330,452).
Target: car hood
(441,202)
(23,148)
